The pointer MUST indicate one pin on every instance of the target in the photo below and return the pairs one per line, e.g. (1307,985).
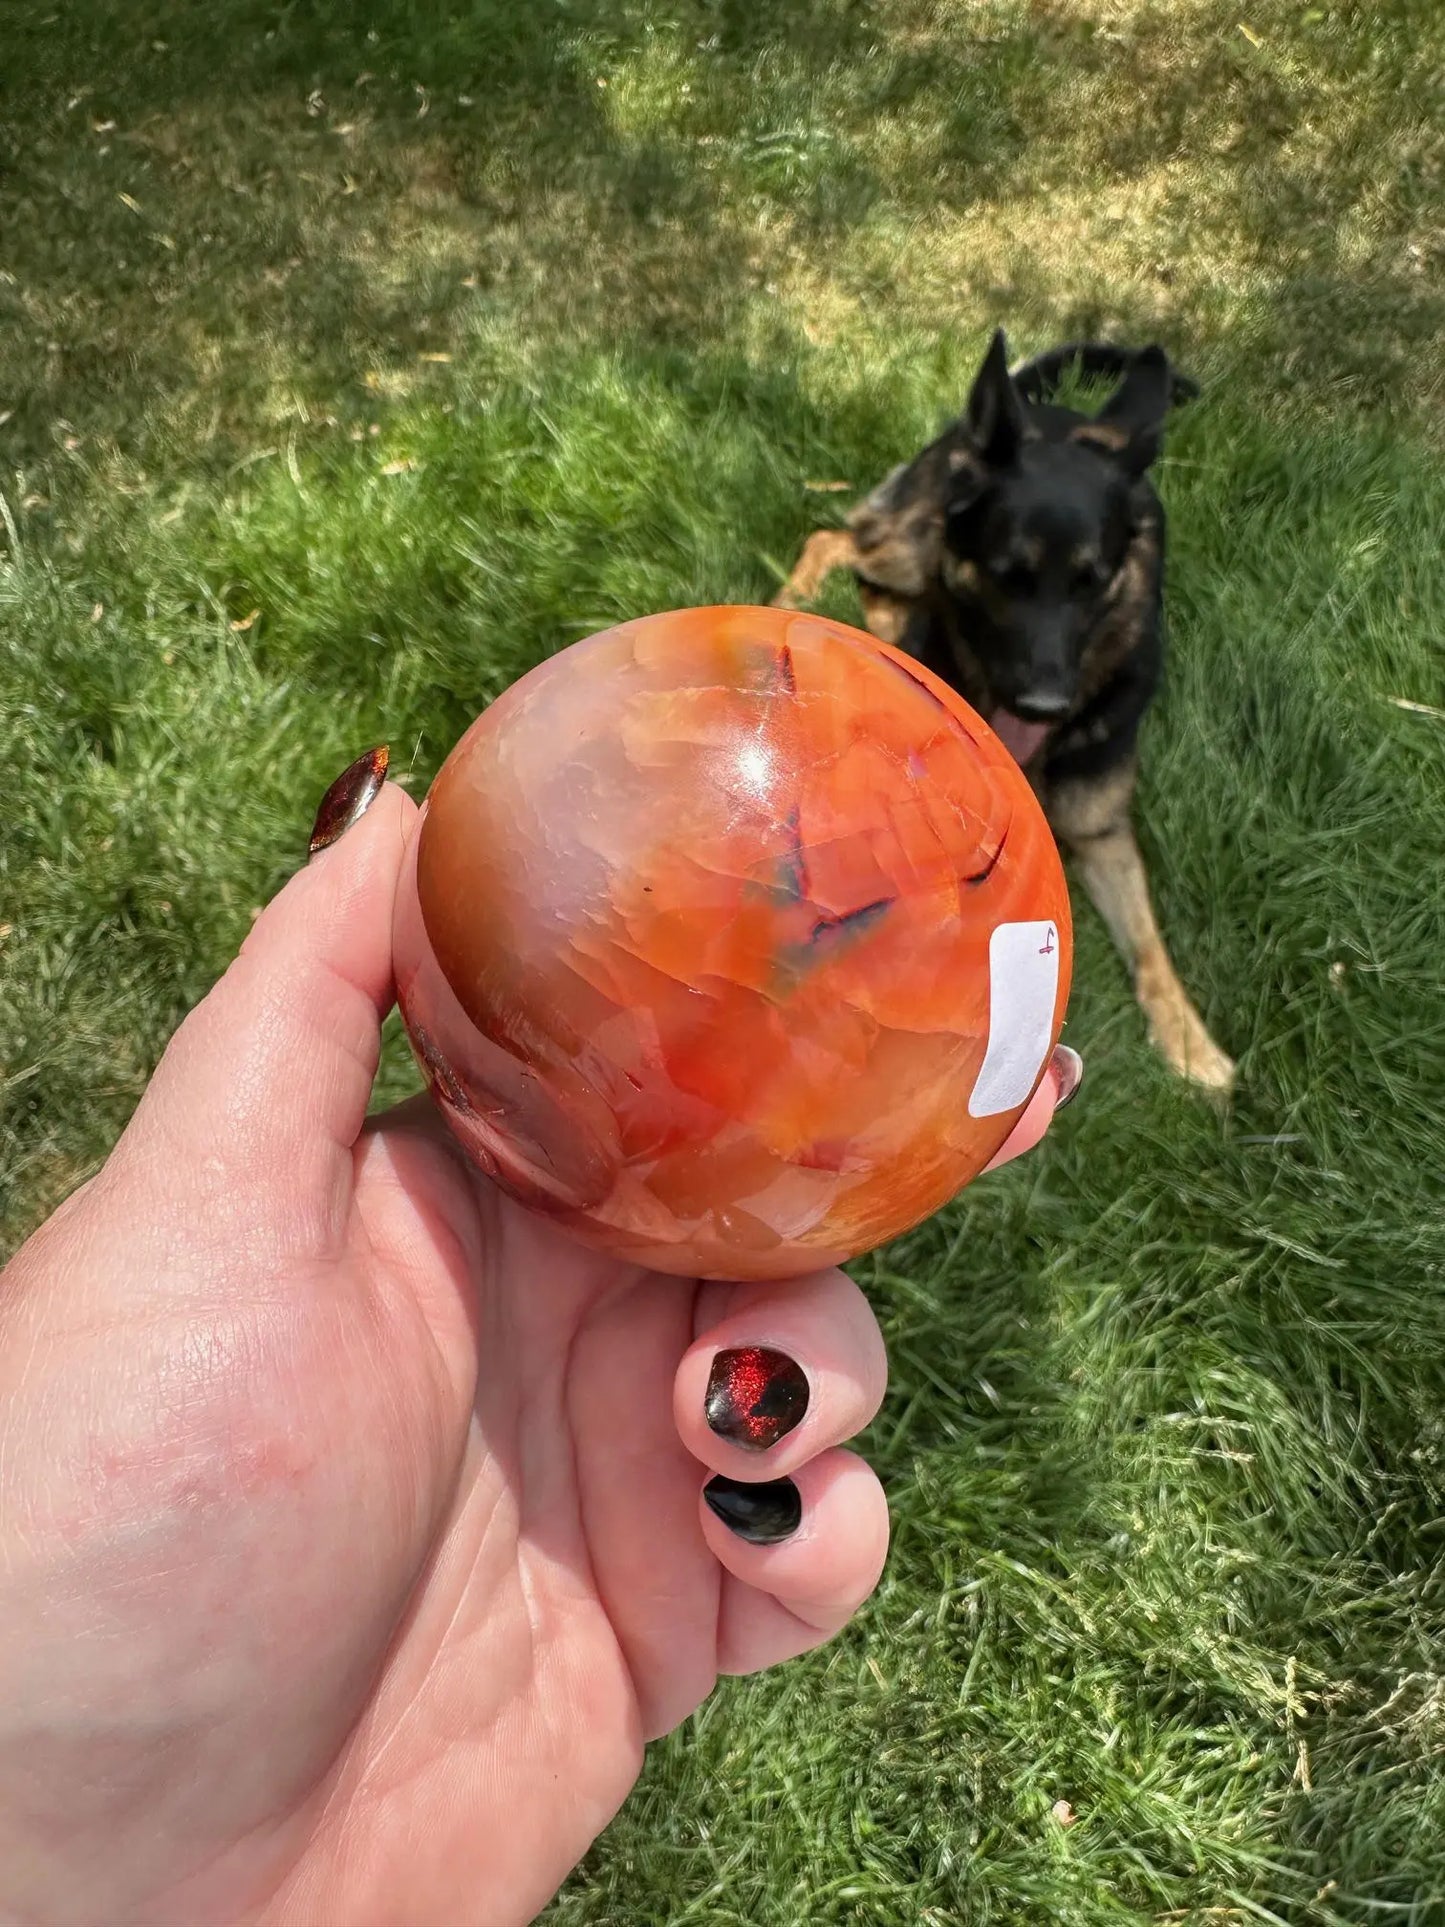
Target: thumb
(263,1090)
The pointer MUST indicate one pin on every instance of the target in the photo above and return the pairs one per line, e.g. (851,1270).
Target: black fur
(1021,557)
(1023,551)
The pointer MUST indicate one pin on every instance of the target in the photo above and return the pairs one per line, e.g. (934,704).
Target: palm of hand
(563,1604)
(409,1598)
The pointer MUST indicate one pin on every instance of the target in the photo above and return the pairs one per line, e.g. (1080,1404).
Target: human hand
(353,1540)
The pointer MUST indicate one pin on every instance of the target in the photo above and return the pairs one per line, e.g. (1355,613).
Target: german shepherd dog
(1020,556)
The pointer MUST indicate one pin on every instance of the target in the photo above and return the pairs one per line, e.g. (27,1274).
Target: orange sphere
(734,940)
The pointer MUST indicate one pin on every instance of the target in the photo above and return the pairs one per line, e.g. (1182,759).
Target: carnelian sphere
(733,940)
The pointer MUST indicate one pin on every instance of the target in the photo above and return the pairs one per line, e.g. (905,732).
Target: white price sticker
(1023,987)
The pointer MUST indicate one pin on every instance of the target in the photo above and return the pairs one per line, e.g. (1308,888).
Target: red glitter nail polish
(755,1396)
(349,798)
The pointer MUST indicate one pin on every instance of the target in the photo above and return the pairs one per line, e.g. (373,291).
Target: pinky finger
(787,1595)
(1058,1087)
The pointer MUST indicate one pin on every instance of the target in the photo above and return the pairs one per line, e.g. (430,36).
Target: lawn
(354,354)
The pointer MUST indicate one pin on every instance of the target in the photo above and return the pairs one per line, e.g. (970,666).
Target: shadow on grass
(1164,1482)
(236,216)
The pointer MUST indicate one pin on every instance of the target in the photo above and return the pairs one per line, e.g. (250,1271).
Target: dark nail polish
(349,798)
(1068,1069)
(762,1514)
(755,1396)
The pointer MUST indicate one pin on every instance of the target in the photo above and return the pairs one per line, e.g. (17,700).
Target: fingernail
(349,798)
(762,1514)
(1068,1069)
(755,1396)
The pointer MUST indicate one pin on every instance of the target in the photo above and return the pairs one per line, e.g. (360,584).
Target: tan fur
(956,574)
(1127,594)
(900,555)
(1092,821)
(1106,435)
(886,615)
(829,549)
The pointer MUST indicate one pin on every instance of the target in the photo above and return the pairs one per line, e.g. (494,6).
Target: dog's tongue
(1022,740)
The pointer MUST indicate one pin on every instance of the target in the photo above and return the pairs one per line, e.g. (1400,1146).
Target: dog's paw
(1210,1070)
(1185,1045)
(1192,1054)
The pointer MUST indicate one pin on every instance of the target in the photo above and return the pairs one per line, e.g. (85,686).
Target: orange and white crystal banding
(694,941)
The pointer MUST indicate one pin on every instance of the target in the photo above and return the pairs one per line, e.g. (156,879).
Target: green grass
(353,356)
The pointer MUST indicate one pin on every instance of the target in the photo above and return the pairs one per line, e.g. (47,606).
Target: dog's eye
(1090,577)
(1012,574)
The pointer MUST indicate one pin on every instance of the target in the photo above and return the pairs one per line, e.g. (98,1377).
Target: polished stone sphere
(733,940)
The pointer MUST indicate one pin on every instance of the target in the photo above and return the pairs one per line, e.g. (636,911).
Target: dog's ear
(1130,426)
(994,415)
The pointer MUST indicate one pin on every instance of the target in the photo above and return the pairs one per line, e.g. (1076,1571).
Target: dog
(1020,556)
